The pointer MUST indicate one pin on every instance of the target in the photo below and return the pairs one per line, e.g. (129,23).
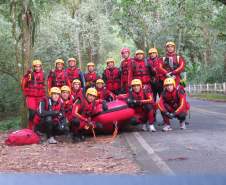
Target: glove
(170,115)
(104,105)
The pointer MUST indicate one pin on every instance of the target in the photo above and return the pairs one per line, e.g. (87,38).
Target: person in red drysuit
(172,65)
(58,76)
(125,68)
(111,76)
(76,90)
(142,101)
(173,104)
(33,87)
(91,76)
(102,92)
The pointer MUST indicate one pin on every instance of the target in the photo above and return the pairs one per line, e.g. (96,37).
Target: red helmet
(123,50)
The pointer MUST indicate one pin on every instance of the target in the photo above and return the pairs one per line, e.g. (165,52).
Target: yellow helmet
(169,81)
(110,60)
(59,61)
(170,43)
(55,90)
(90,64)
(99,81)
(71,59)
(36,62)
(136,82)
(139,52)
(65,88)
(91,91)
(153,50)
(76,81)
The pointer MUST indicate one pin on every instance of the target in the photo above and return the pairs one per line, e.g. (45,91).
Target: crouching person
(142,101)
(173,104)
(82,112)
(52,116)
(102,92)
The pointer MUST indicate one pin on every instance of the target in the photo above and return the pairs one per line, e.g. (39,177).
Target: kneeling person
(102,92)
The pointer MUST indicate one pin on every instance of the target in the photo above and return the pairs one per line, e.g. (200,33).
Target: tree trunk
(225,66)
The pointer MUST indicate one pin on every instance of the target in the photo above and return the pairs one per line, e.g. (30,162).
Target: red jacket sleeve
(161,69)
(161,105)
(182,104)
(75,112)
(180,67)
(49,80)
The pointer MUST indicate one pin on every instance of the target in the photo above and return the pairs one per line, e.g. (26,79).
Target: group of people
(73,95)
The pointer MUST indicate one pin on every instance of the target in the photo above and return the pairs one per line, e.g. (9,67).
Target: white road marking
(207,111)
(157,160)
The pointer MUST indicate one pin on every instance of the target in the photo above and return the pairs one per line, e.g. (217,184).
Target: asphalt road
(200,149)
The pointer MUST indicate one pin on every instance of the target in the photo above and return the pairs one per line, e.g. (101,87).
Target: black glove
(170,115)
(129,102)
(104,105)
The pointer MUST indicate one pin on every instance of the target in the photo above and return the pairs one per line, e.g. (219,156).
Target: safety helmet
(91,91)
(169,81)
(136,82)
(153,50)
(99,81)
(55,90)
(170,43)
(76,81)
(36,62)
(123,50)
(71,59)
(110,60)
(65,88)
(139,52)
(59,61)
(90,64)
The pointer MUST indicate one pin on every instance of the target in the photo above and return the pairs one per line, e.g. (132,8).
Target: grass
(9,124)
(211,96)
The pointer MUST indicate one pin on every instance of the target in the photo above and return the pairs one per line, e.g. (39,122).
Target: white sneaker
(152,128)
(166,128)
(144,127)
(182,125)
(52,140)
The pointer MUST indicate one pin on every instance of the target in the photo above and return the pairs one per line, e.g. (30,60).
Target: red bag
(22,137)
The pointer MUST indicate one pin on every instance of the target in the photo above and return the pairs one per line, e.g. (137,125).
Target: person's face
(90,68)
(125,55)
(59,66)
(153,55)
(110,64)
(136,88)
(99,85)
(72,63)
(65,95)
(170,48)
(37,68)
(76,86)
(140,56)
(170,88)
(55,97)
(90,98)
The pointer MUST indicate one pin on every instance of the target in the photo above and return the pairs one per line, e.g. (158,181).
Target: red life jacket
(50,105)
(154,65)
(87,109)
(34,84)
(141,71)
(91,78)
(112,78)
(73,73)
(104,93)
(58,77)
(171,99)
(142,95)
(171,62)
(67,107)
(77,94)
(125,67)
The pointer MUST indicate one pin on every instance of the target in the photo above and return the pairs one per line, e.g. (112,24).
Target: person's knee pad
(31,114)
(182,116)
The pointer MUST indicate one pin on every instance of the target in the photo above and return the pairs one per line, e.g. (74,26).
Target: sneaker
(166,128)
(152,128)
(144,127)
(52,140)
(182,125)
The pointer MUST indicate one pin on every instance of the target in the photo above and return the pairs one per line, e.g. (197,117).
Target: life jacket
(77,94)
(125,67)
(112,79)
(50,105)
(142,95)
(67,104)
(91,78)
(169,64)
(73,73)
(154,67)
(141,71)
(59,78)
(87,109)
(35,85)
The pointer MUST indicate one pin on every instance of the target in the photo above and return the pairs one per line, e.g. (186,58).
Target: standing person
(33,87)
(77,91)
(91,76)
(173,104)
(156,77)
(172,65)
(142,101)
(111,76)
(58,76)
(140,69)
(73,72)
(125,69)
(52,115)
(102,92)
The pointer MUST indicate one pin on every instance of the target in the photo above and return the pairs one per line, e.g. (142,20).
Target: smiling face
(76,86)
(153,55)
(59,66)
(65,95)
(55,97)
(136,88)
(170,49)
(125,55)
(37,68)
(99,85)
(170,88)
(72,63)
(140,56)
(110,64)
(90,98)
(91,68)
